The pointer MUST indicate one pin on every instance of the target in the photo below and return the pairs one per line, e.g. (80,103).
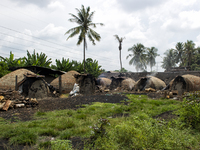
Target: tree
(179,52)
(84,21)
(169,60)
(189,51)
(37,60)
(3,69)
(151,56)
(11,62)
(138,56)
(123,70)
(64,65)
(93,67)
(120,40)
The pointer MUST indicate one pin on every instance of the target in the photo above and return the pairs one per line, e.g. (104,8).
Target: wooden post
(60,85)
(16,87)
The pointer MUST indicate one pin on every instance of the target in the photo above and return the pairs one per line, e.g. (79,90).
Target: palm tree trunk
(84,55)
(120,60)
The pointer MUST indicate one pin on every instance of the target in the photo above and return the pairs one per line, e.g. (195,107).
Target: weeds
(190,110)
(138,130)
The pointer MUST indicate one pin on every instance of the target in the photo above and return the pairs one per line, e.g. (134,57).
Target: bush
(190,110)
(61,145)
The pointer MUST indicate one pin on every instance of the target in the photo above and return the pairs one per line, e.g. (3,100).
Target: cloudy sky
(41,25)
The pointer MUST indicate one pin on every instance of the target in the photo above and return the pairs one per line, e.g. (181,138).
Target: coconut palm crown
(84,21)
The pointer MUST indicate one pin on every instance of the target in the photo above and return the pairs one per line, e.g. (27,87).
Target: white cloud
(56,5)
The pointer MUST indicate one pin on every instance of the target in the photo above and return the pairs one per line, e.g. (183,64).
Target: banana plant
(37,60)
(11,62)
(64,65)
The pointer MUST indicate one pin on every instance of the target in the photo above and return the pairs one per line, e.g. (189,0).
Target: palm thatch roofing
(8,81)
(68,80)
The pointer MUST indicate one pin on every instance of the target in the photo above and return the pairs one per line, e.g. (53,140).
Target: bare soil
(50,104)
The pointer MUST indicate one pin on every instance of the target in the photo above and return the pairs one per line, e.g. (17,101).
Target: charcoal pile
(12,99)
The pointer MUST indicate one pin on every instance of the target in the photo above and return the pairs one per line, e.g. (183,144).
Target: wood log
(19,105)
(6,105)
(1,105)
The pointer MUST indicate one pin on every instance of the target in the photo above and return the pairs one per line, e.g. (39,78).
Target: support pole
(60,85)
(16,87)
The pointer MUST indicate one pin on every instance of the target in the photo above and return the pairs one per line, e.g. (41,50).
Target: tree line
(41,60)
(185,54)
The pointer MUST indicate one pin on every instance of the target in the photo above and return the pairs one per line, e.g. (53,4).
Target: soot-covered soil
(50,104)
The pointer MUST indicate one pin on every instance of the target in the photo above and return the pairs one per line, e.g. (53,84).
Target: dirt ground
(50,104)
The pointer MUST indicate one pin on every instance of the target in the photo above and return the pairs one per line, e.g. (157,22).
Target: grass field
(128,125)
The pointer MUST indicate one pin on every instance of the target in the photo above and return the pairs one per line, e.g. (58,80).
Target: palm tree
(151,56)
(120,40)
(189,51)
(84,21)
(138,56)
(179,52)
(169,60)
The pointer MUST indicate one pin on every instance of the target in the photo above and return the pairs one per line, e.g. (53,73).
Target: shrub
(61,145)
(190,110)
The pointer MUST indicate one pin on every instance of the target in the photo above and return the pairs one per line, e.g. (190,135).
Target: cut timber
(1,105)
(19,105)
(6,105)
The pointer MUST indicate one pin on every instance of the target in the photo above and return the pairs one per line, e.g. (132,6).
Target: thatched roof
(68,81)
(7,82)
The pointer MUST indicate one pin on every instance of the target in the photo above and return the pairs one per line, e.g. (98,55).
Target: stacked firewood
(13,99)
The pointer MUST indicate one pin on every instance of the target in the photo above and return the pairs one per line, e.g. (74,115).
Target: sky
(41,25)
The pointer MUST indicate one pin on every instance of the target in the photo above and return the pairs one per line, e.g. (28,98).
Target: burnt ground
(50,104)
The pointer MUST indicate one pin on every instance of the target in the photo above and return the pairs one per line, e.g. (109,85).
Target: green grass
(138,130)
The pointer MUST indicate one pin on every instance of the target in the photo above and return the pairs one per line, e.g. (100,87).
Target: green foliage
(46,145)
(11,62)
(137,130)
(48,132)
(190,110)
(64,65)
(151,56)
(20,136)
(37,59)
(138,56)
(123,70)
(92,67)
(169,60)
(66,134)
(61,145)
(84,28)
(99,128)
(184,55)
(3,69)
(40,113)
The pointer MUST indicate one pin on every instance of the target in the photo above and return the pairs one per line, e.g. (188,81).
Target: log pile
(12,99)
